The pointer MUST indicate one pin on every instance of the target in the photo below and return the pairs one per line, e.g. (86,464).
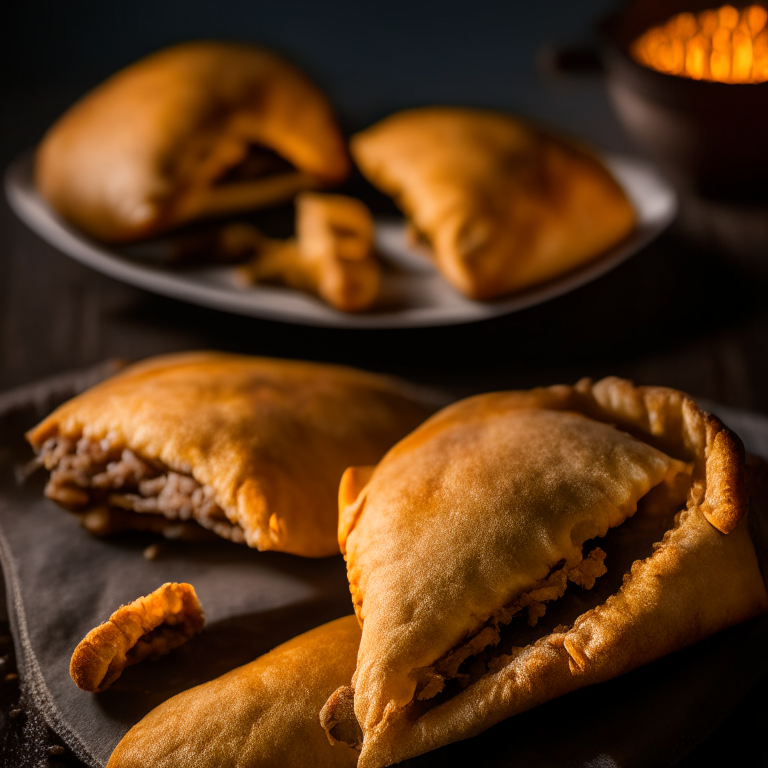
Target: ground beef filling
(113,488)
(473,657)
(258,163)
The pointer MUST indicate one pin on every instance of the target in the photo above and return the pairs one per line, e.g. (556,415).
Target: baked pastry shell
(700,578)
(143,152)
(500,204)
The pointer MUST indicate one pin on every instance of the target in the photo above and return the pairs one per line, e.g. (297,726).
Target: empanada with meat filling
(261,715)
(520,545)
(501,205)
(197,130)
(251,448)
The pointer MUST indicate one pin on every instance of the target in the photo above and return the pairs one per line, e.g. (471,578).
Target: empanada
(197,130)
(461,544)
(261,715)
(251,448)
(331,255)
(501,205)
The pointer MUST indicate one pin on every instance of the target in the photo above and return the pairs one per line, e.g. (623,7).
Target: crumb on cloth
(148,627)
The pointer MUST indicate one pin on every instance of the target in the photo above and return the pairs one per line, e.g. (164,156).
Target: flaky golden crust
(481,502)
(503,206)
(146,628)
(270,437)
(674,422)
(143,152)
(261,715)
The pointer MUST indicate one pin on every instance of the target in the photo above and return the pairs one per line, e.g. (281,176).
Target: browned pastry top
(151,147)
(470,529)
(501,205)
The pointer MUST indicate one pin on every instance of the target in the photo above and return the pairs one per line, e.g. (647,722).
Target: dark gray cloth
(61,582)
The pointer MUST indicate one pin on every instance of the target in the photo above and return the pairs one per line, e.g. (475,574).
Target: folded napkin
(62,582)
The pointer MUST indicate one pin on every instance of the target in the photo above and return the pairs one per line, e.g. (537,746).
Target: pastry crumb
(153,551)
(148,627)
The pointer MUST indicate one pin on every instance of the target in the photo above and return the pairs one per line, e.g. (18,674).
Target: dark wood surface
(689,312)
(675,315)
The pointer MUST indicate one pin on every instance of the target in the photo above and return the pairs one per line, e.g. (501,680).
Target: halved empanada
(197,130)
(261,715)
(461,544)
(331,255)
(501,205)
(250,448)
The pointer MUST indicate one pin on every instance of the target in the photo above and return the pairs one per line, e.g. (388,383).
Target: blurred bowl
(709,138)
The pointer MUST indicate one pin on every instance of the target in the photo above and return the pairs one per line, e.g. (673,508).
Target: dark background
(371,57)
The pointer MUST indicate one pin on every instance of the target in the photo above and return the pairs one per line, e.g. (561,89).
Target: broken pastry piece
(194,131)
(250,448)
(261,715)
(521,545)
(149,627)
(331,256)
(501,205)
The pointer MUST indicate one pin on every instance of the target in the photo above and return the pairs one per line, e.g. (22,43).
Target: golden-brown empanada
(461,544)
(251,448)
(331,255)
(261,715)
(501,205)
(197,130)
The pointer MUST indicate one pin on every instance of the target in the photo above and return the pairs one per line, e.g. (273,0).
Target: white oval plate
(414,294)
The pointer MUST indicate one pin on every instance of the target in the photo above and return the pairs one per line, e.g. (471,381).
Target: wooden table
(678,314)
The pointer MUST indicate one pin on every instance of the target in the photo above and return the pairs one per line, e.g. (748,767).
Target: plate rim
(284,305)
